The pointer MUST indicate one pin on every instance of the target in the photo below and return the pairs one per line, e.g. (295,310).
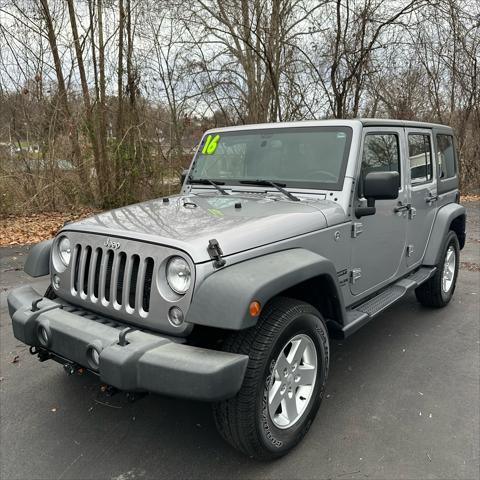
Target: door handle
(430,198)
(402,207)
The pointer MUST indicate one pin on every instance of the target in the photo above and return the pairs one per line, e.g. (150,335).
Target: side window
(446,156)
(380,153)
(419,152)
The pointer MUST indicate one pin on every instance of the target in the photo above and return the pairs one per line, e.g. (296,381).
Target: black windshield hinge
(216,253)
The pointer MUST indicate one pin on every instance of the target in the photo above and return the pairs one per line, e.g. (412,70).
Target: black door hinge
(216,253)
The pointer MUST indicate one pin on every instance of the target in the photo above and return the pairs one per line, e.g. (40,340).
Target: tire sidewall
(273,438)
(451,240)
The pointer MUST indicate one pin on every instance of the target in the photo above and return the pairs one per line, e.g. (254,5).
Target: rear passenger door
(422,192)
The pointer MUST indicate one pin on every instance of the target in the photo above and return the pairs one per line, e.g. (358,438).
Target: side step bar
(363,313)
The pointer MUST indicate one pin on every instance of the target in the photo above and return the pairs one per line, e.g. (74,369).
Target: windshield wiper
(269,183)
(207,181)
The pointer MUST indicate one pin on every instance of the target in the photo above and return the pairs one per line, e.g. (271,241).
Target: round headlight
(179,275)
(64,250)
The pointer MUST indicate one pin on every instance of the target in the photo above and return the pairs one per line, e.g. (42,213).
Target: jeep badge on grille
(110,244)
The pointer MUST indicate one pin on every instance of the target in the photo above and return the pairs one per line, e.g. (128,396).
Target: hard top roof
(356,122)
(386,122)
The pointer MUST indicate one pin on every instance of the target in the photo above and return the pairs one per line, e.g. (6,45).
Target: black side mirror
(378,186)
(183,176)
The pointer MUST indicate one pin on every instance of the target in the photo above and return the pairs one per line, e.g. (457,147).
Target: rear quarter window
(447,165)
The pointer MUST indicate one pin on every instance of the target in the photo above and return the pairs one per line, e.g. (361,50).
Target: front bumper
(144,362)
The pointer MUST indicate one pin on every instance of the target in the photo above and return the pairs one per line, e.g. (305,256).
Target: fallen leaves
(473,197)
(15,359)
(27,229)
(470,266)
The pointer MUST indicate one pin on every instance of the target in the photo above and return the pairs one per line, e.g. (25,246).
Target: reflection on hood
(188,222)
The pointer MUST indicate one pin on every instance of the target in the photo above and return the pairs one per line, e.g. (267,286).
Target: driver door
(378,242)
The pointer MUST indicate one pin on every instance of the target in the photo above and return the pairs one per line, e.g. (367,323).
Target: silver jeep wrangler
(283,235)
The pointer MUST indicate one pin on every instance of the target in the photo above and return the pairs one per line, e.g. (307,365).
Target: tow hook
(42,355)
(122,336)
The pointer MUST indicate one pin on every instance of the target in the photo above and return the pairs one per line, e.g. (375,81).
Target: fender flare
(222,300)
(38,260)
(443,220)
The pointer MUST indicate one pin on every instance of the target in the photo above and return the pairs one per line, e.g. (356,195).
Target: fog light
(93,357)
(43,335)
(56,282)
(175,315)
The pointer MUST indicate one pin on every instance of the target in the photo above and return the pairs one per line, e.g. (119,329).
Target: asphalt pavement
(402,402)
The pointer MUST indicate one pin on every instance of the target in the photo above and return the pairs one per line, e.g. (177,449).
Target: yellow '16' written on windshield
(210,144)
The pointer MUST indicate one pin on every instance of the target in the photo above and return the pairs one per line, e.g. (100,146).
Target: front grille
(112,278)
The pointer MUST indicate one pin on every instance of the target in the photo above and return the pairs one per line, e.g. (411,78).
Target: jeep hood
(238,222)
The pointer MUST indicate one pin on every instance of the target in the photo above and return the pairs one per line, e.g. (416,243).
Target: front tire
(438,291)
(284,382)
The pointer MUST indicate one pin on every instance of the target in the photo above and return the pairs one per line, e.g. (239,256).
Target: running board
(363,313)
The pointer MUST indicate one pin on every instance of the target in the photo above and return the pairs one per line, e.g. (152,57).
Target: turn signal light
(254,308)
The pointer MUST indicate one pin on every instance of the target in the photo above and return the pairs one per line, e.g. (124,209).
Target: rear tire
(284,382)
(437,291)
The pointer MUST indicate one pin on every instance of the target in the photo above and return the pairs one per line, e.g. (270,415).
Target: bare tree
(102,102)
(255,40)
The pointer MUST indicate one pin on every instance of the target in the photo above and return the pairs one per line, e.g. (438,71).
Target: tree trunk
(90,122)
(80,165)
(102,127)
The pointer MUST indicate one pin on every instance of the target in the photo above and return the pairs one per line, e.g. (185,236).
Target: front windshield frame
(310,185)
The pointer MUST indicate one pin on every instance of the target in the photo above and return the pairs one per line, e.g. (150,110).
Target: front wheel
(284,382)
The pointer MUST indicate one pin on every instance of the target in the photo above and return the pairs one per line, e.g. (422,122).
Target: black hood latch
(215,252)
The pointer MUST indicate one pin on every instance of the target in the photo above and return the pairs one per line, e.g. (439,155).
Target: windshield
(303,157)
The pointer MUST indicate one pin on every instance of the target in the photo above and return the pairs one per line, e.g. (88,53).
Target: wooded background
(102,102)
